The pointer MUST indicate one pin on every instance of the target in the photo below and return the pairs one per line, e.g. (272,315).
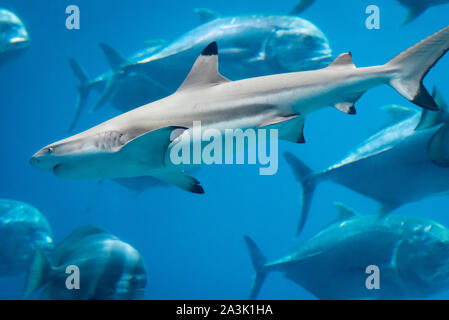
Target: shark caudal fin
(301,6)
(429,118)
(37,272)
(411,66)
(83,91)
(307,179)
(258,260)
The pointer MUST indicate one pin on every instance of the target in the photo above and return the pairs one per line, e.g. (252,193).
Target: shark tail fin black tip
(308,180)
(429,118)
(83,91)
(37,272)
(259,261)
(411,66)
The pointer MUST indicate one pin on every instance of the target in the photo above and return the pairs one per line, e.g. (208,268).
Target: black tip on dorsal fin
(210,50)
(345,59)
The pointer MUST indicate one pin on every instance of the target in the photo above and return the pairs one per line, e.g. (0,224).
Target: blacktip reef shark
(412,255)
(415,7)
(250,46)
(138,143)
(405,162)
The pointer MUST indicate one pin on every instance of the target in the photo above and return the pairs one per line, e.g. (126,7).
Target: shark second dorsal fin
(343,60)
(344,212)
(205,70)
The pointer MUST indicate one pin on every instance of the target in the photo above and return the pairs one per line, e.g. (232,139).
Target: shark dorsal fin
(115,59)
(205,70)
(343,60)
(206,15)
(430,118)
(344,212)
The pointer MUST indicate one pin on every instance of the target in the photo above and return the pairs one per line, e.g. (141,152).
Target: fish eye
(50,149)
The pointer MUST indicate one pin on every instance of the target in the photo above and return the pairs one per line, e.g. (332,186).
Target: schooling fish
(140,142)
(250,46)
(403,163)
(23,230)
(411,255)
(13,35)
(108,268)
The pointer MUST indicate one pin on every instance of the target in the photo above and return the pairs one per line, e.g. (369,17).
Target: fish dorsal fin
(344,212)
(206,15)
(205,70)
(343,60)
(438,147)
(430,118)
(115,59)
(398,113)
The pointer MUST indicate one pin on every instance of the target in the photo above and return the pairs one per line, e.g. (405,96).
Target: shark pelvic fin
(344,212)
(343,60)
(181,180)
(438,149)
(205,70)
(429,118)
(291,128)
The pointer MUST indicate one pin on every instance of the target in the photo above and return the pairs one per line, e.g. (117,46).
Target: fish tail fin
(83,91)
(429,118)
(258,260)
(308,180)
(411,66)
(37,272)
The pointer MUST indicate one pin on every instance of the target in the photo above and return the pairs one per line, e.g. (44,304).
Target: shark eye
(50,149)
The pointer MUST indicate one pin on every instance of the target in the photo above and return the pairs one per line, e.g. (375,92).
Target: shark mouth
(55,168)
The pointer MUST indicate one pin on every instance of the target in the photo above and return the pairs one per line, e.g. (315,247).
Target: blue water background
(192,244)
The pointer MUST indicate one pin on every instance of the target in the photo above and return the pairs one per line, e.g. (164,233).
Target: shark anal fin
(343,60)
(181,180)
(205,70)
(291,128)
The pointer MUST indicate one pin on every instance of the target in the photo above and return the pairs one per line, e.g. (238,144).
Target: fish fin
(205,70)
(259,261)
(343,60)
(398,113)
(429,118)
(83,91)
(411,66)
(344,212)
(413,12)
(181,180)
(301,6)
(115,59)
(107,93)
(291,128)
(159,140)
(38,272)
(346,107)
(206,15)
(438,147)
(308,180)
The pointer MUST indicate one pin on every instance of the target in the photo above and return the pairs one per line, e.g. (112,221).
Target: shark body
(136,143)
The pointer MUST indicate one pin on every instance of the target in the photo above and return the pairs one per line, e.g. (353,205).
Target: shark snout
(43,160)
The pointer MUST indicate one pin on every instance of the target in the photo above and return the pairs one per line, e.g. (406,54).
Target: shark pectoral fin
(430,118)
(438,147)
(205,70)
(343,60)
(344,212)
(181,180)
(206,15)
(115,59)
(291,128)
(152,143)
